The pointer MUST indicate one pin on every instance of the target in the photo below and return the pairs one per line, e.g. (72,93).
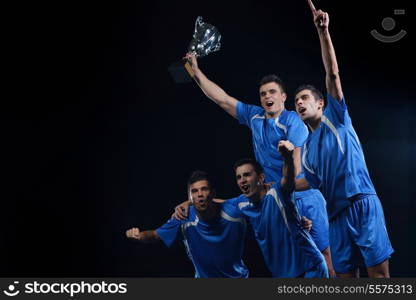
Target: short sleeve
(336,111)
(297,132)
(230,208)
(169,231)
(245,112)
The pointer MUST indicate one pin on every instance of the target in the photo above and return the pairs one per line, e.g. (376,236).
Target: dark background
(97,137)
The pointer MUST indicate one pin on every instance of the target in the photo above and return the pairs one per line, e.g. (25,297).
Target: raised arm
(286,148)
(300,184)
(148,236)
(296,160)
(333,82)
(212,90)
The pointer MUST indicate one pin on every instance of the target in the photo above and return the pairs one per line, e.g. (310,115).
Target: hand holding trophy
(206,39)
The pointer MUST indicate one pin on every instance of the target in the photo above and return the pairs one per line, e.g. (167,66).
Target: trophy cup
(206,39)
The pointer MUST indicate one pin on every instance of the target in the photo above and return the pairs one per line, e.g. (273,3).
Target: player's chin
(201,206)
(266,108)
(248,192)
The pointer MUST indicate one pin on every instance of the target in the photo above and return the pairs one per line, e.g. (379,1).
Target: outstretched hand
(320,18)
(133,233)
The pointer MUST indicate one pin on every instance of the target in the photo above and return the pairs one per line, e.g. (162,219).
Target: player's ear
(321,103)
(261,178)
(284,95)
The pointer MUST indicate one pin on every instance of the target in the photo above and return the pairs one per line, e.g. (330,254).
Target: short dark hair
(315,92)
(273,78)
(198,176)
(257,167)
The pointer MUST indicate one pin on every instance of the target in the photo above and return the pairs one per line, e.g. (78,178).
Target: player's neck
(256,198)
(314,124)
(274,115)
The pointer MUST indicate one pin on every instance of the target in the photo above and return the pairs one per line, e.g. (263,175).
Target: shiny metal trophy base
(181,71)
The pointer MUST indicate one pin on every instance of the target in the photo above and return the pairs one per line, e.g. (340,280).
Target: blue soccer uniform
(266,134)
(333,161)
(215,247)
(287,248)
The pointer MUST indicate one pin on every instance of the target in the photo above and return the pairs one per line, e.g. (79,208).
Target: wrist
(323,31)
(196,69)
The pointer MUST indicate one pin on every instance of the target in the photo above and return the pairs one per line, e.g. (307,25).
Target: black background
(97,137)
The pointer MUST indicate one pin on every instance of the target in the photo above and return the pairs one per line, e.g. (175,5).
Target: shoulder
(238,202)
(292,116)
(289,118)
(249,108)
(231,205)
(231,212)
(232,201)
(333,103)
(190,218)
(275,191)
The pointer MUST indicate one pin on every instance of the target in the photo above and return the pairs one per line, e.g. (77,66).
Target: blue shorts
(358,236)
(312,204)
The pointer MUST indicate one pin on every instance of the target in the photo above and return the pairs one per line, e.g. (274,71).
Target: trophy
(206,39)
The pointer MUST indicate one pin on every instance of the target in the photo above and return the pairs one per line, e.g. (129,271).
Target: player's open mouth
(301,110)
(245,188)
(269,103)
(202,203)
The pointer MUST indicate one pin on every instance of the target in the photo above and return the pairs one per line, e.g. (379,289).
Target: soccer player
(333,160)
(270,124)
(287,248)
(213,234)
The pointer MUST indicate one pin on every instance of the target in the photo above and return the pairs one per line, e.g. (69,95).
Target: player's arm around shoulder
(230,207)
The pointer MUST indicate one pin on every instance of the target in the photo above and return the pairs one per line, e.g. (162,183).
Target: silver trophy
(206,39)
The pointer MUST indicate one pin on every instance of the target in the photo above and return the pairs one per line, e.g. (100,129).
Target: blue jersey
(288,250)
(333,160)
(266,136)
(215,247)
(268,132)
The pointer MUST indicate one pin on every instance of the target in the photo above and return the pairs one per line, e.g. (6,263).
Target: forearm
(210,89)
(296,160)
(149,236)
(333,82)
(328,52)
(215,93)
(288,179)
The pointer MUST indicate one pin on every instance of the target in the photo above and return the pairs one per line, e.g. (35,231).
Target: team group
(308,195)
